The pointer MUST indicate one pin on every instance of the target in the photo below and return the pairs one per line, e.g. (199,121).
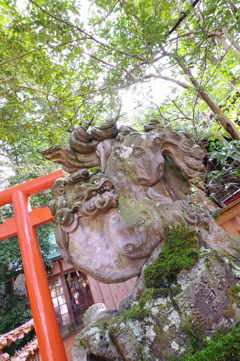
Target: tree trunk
(228,47)
(232,41)
(9,283)
(226,122)
(9,287)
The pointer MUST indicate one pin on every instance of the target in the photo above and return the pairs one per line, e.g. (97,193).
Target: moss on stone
(137,312)
(235,293)
(95,170)
(179,252)
(153,293)
(140,310)
(222,347)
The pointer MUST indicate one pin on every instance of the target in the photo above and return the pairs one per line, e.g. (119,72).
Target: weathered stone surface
(113,222)
(78,354)
(207,295)
(95,340)
(110,220)
(97,312)
(125,339)
(205,304)
(207,301)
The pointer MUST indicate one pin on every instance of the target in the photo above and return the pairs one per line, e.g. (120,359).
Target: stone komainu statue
(124,190)
(113,213)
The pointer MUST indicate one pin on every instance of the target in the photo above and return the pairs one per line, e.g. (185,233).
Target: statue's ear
(183,161)
(175,183)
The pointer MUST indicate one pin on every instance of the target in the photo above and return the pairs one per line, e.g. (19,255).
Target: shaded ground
(69,341)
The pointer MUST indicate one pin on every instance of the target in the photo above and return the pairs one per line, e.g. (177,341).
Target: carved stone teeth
(105,187)
(102,201)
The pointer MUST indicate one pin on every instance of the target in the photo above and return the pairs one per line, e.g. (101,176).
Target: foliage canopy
(59,68)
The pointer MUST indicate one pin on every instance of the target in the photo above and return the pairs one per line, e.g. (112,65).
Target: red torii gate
(46,326)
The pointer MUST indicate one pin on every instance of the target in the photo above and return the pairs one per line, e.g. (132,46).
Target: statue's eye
(61,190)
(94,181)
(138,152)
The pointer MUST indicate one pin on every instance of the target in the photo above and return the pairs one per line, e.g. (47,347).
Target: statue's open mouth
(106,186)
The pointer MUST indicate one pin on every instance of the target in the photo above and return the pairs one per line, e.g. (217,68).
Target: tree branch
(84,32)
(180,110)
(183,17)
(183,85)
(32,88)
(222,42)
(109,64)
(147,63)
(135,15)
(43,48)
(233,8)
(136,80)
(113,7)
(224,120)
(181,36)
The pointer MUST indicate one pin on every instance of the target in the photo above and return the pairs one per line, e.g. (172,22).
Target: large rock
(158,326)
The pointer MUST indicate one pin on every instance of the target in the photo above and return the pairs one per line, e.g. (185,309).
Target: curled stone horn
(82,142)
(106,130)
(82,135)
(82,152)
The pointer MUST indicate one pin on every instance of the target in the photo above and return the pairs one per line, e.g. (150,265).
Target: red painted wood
(47,330)
(8,229)
(115,295)
(130,284)
(96,294)
(107,296)
(232,198)
(31,187)
(122,290)
(110,294)
(39,216)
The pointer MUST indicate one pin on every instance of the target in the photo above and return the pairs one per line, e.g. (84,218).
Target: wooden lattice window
(59,303)
(80,293)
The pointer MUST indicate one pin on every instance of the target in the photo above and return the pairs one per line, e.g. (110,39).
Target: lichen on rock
(167,321)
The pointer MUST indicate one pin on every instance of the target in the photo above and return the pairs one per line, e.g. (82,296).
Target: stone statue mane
(124,190)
